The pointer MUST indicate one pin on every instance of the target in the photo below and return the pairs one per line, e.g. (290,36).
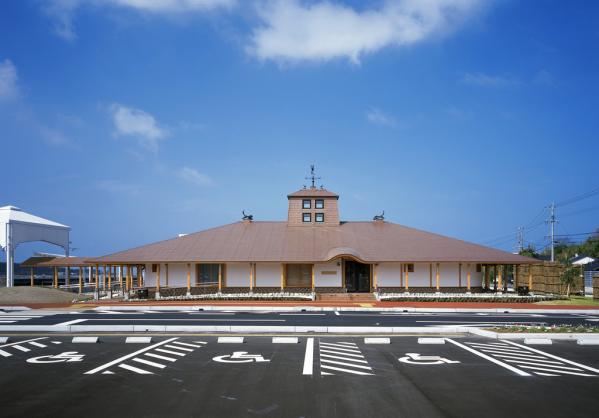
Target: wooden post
(530,277)
(374,278)
(121,277)
(313,277)
(516,276)
(158,278)
(487,277)
(460,275)
(103,277)
(31,277)
(80,279)
(438,274)
(251,277)
(430,275)
(188,278)
(97,276)
(110,279)
(407,277)
(220,277)
(166,274)
(56,277)
(499,278)
(282,277)
(468,279)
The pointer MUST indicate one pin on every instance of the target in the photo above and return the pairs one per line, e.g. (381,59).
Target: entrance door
(357,277)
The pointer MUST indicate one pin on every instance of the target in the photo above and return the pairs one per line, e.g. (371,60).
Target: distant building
(313,250)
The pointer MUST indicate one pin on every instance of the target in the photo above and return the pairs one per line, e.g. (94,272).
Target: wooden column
(430,275)
(110,279)
(374,278)
(313,278)
(251,276)
(121,277)
(530,277)
(97,276)
(31,277)
(103,277)
(407,278)
(56,277)
(80,279)
(487,277)
(220,277)
(438,277)
(166,274)
(282,277)
(468,276)
(516,276)
(158,278)
(188,277)
(460,275)
(499,278)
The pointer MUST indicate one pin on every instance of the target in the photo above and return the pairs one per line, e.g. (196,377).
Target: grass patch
(574,300)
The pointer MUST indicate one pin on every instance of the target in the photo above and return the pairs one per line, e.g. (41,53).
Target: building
(314,251)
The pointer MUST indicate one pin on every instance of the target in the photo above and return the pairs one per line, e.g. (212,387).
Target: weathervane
(313,177)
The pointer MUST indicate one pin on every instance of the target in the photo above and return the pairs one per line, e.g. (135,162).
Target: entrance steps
(346,297)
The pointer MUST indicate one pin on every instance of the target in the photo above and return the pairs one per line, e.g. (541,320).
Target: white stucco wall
(268,275)
(421,276)
(177,275)
(327,280)
(388,275)
(238,275)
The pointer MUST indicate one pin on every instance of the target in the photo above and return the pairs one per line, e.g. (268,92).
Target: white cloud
(53,137)
(117,187)
(63,12)
(294,30)
(139,124)
(9,87)
(193,176)
(488,80)
(378,117)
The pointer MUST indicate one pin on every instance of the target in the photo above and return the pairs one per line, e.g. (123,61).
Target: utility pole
(520,238)
(552,222)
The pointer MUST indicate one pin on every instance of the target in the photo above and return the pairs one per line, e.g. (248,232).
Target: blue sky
(135,120)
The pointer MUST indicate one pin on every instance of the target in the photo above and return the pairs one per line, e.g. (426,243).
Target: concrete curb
(340,309)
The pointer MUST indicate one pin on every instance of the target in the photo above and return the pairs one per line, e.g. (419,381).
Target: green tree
(569,276)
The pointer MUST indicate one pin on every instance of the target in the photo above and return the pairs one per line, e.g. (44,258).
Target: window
(410,268)
(207,274)
(306,217)
(154,268)
(298,275)
(319,217)
(319,204)
(479,268)
(306,203)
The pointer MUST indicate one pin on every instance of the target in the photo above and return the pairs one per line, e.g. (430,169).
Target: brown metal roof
(278,242)
(35,261)
(313,192)
(66,262)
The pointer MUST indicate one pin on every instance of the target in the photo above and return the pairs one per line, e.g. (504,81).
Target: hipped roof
(277,242)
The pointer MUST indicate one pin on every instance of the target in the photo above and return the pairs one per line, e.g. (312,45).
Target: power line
(578,198)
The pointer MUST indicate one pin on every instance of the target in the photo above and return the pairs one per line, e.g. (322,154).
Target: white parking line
(21,348)
(322,350)
(554,357)
(322,366)
(344,358)
(179,348)
(160,357)
(149,363)
(74,321)
(176,353)
(134,369)
(491,359)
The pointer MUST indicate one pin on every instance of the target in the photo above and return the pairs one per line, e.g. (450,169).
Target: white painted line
(431,340)
(322,366)
(491,359)
(499,351)
(337,313)
(377,340)
(4,340)
(537,341)
(557,371)
(138,340)
(322,350)
(7,322)
(74,321)
(343,358)
(176,353)
(341,345)
(160,357)
(84,340)
(309,357)
(498,345)
(5,353)
(24,341)
(37,344)
(522,358)
(149,363)
(20,347)
(340,350)
(302,314)
(553,366)
(285,340)
(189,319)
(128,356)
(322,360)
(174,347)
(187,344)
(230,340)
(554,357)
(134,369)
(546,374)
(588,341)
(348,344)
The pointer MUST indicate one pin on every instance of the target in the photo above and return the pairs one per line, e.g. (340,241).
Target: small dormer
(313,206)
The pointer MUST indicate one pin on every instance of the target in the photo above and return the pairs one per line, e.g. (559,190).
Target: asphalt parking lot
(332,376)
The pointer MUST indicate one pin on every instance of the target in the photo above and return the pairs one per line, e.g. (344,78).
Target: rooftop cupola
(312,206)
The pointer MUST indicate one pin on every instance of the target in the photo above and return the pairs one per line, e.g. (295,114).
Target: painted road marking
(21,348)
(241,357)
(175,353)
(491,359)
(34,343)
(346,354)
(160,357)
(5,352)
(149,363)
(134,369)
(526,359)
(66,357)
(309,357)
(74,321)
(416,358)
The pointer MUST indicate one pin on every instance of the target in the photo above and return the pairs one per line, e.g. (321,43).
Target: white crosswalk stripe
(148,359)
(337,358)
(530,359)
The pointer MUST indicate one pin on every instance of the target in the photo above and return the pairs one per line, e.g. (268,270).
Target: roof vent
(246,217)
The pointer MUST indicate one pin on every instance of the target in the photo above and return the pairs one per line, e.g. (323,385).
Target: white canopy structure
(19,227)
